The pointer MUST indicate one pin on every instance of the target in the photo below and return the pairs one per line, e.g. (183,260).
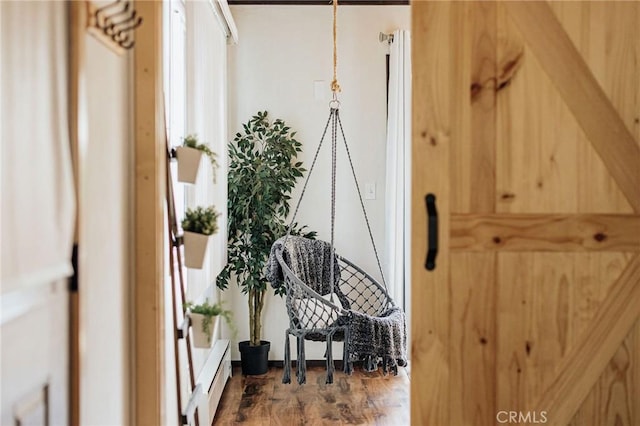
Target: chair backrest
(363,292)
(356,291)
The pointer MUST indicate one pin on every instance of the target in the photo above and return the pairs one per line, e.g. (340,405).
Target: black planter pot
(254,359)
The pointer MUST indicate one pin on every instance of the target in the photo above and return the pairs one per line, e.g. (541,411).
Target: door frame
(149,217)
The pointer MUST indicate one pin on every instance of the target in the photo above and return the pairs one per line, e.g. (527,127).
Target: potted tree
(198,225)
(201,317)
(189,155)
(262,172)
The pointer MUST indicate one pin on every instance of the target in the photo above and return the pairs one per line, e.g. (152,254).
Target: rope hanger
(335,86)
(336,129)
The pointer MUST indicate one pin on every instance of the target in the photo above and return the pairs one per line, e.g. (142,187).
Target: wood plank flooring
(360,399)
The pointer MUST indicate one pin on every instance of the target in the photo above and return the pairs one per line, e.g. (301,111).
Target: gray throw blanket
(379,339)
(309,260)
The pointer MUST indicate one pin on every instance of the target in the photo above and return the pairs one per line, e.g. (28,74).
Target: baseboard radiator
(211,382)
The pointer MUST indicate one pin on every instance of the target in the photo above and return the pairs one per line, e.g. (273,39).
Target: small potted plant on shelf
(201,317)
(262,173)
(198,225)
(189,155)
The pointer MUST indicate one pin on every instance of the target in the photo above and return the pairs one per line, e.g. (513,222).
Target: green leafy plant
(191,141)
(209,311)
(201,220)
(262,172)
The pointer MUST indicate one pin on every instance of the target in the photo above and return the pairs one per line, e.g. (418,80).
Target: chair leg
(298,357)
(302,365)
(346,354)
(329,356)
(286,378)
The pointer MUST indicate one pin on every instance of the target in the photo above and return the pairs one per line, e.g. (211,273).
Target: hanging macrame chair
(328,297)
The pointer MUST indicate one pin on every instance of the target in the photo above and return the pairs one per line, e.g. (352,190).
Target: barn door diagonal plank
(580,368)
(591,107)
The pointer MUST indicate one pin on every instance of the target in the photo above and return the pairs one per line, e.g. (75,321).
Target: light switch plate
(369,191)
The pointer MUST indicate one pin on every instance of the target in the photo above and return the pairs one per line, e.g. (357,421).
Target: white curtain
(398,169)
(38,202)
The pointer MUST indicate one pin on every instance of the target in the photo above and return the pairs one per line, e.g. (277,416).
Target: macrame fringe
(347,367)
(286,378)
(302,364)
(329,356)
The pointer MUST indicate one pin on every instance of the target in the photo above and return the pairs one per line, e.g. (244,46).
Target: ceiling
(322,2)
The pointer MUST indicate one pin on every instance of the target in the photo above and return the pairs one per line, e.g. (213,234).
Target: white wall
(196,82)
(207,117)
(281,51)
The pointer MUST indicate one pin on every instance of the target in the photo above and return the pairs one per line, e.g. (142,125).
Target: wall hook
(114,24)
(113,27)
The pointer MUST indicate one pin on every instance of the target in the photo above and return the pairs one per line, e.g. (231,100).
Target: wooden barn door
(526,128)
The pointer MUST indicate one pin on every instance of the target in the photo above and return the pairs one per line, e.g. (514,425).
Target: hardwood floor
(360,399)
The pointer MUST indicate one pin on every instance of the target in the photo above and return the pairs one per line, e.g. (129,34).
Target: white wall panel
(105,239)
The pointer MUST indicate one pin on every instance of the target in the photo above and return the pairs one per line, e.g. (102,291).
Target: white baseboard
(213,378)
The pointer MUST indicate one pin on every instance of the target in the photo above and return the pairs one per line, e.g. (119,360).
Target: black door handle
(432,237)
